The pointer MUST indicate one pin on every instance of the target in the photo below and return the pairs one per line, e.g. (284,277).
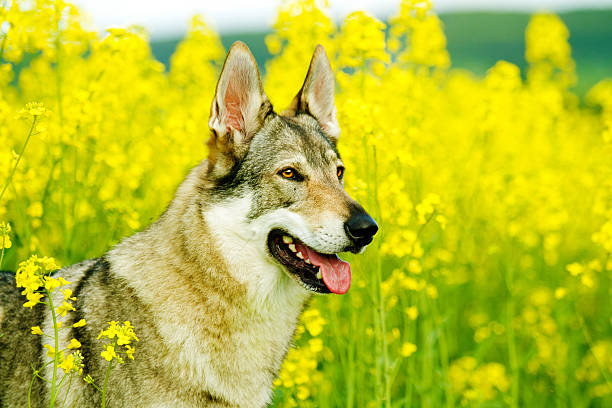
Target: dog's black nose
(361,228)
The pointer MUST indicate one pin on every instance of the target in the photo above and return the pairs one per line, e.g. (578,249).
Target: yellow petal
(80,323)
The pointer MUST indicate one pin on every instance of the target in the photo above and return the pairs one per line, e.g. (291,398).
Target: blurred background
(478,32)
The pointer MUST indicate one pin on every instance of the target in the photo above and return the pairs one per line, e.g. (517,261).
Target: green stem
(512,352)
(381,296)
(350,398)
(2,252)
(427,367)
(108,370)
(411,329)
(54,387)
(443,344)
(42,378)
(30,389)
(601,365)
(383,329)
(10,177)
(95,386)
(59,387)
(67,391)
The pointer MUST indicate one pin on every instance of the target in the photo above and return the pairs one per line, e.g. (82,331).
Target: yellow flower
(30,276)
(68,294)
(62,281)
(27,278)
(109,353)
(51,283)
(80,323)
(363,39)
(125,334)
(560,293)
(412,312)
(67,364)
(302,393)
(35,210)
(65,308)
(408,349)
(575,269)
(432,291)
(422,31)
(313,321)
(129,351)
(74,344)
(33,299)
(36,330)
(111,332)
(5,242)
(34,109)
(316,345)
(5,239)
(442,220)
(414,266)
(122,338)
(51,352)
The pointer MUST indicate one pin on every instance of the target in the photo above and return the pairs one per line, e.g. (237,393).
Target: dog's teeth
(299,255)
(319,276)
(292,247)
(307,261)
(287,240)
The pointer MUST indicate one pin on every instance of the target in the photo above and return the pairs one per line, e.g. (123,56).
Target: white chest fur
(242,370)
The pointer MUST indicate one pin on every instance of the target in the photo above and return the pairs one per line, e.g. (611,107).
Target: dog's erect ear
(238,109)
(317,95)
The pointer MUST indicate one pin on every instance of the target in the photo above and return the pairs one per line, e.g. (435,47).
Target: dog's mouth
(323,273)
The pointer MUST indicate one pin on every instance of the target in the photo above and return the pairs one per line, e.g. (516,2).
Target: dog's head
(289,168)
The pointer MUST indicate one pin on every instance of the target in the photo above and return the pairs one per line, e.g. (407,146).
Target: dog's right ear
(238,110)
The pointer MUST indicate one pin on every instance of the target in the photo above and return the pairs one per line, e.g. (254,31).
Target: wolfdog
(216,285)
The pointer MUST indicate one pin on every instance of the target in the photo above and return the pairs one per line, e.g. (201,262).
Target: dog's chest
(238,367)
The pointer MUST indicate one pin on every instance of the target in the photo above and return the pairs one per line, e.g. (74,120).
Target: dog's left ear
(317,95)
(238,109)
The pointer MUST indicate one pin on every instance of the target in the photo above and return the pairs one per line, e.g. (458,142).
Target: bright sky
(163,17)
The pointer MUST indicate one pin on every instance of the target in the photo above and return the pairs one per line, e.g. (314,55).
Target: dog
(216,285)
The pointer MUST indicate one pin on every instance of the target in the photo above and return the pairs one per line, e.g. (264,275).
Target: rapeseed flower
(80,323)
(65,308)
(408,349)
(5,238)
(74,344)
(120,336)
(493,193)
(109,353)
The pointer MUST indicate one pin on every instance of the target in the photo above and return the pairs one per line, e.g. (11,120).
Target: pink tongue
(335,272)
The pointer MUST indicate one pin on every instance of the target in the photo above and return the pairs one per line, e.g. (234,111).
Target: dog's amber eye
(288,173)
(340,173)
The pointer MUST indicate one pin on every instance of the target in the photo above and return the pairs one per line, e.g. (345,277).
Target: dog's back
(17,350)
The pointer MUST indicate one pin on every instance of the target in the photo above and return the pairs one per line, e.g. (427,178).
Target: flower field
(489,283)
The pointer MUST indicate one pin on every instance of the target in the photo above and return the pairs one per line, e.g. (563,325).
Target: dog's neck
(223,250)
(232,296)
